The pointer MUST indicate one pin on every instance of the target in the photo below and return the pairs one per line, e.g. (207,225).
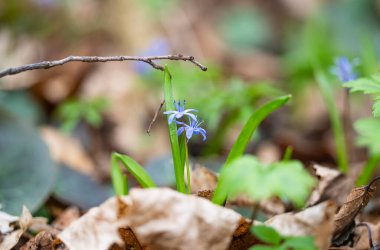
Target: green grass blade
(340,142)
(137,171)
(368,170)
(119,181)
(288,153)
(244,137)
(169,105)
(253,122)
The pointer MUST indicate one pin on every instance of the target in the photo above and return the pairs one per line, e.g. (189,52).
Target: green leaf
(253,122)
(376,106)
(267,234)
(169,105)
(134,168)
(244,137)
(340,142)
(368,134)
(299,243)
(261,247)
(119,181)
(246,175)
(27,173)
(368,85)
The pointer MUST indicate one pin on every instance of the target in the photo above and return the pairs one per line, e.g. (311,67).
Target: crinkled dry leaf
(5,222)
(316,221)
(98,228)
(12,236)
(355,201)
(160,218)
(202,179)
(66,218)
(325,176)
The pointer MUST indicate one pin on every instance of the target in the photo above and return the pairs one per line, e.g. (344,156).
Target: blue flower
(191,129)
(344,69)
(180,112)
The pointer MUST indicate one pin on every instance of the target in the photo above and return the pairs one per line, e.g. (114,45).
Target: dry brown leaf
(160,218)
(67,150)
(13,234)
(202,178)
(316,221)
(44,240)
(355,201)
(66,218)
(333,185)
(325,176)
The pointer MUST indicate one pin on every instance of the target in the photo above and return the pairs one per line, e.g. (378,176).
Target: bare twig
(155,117)
(148,59)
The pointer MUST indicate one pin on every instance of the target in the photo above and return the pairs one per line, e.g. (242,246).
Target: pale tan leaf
(316,221)
(325,176)
(201,179)
(98,228)
(11,238)
(67,150)
(160,219)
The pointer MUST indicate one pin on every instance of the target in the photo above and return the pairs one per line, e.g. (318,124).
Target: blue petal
(192,116)
(180,130)
(203,133)
(171,117)
(189,132)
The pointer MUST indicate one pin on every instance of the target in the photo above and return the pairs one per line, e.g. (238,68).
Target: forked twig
(89,59)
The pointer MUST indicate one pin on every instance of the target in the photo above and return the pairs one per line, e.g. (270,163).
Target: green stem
(187,169)
(368,170)
(177,162)
(340,142)
(288,153)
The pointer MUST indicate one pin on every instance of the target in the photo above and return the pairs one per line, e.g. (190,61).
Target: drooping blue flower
(192,129)
(344,69)
(180,112)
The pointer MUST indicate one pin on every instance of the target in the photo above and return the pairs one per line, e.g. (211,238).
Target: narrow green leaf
(169,105)
(245,135)
(119,181)
(340,142)
(288,153)
(253,122)
(267,234)
(368,170)
(137,171)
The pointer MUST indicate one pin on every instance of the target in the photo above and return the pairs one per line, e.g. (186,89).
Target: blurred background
(58,127)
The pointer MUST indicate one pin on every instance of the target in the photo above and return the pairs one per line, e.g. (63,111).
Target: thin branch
(148,59)
(155,117)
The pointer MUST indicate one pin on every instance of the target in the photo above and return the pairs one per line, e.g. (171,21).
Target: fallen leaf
(66,218)
(160,218)
(314,221)
(44,240)
(333,185)
(67,150)
(201,178)
(344,219)
(325,176)
(12,234)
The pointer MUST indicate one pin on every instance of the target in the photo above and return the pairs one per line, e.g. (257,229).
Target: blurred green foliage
(246,175)
(276,241)
(245,29)
(72,111)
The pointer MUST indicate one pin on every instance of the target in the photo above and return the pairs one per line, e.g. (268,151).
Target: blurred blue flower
(344,69)
(180,112)
(158,47)
(191,129)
